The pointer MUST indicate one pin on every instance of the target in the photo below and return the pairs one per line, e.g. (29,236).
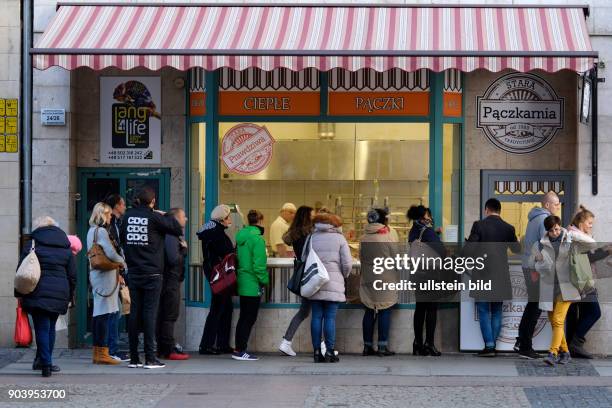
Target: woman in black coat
(426,307)
(215,246)
(55,289)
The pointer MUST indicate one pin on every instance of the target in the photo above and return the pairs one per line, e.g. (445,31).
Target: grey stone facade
(59,151)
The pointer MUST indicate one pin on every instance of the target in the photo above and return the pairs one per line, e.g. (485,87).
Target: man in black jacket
(494,236)
(174,273)
(142,235)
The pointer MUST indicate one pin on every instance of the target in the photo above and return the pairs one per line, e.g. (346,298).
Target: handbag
(295,281)
(28,273)
(126,301)
(98,259)
(23,331)
(315,273)
(223,276)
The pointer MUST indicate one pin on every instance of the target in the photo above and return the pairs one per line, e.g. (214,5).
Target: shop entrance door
(94,186)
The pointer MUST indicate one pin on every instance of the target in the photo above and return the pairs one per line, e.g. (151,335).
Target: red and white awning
(323,37)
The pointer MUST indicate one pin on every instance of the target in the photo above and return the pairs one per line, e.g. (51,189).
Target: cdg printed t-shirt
(142,236)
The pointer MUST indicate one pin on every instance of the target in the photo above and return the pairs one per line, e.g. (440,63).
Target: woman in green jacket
(252,276)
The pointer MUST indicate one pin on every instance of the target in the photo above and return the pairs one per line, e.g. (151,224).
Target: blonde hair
(581,216)
(98,214)
(43,221)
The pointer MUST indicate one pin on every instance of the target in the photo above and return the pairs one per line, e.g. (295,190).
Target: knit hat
(75,244)
(377,215)
(220,212)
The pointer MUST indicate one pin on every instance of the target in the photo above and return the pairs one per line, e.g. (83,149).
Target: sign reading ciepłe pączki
(520,113)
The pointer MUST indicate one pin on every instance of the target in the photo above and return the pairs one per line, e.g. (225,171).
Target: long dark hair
(301,224)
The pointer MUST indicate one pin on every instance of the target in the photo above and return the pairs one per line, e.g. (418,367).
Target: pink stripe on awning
(269,37)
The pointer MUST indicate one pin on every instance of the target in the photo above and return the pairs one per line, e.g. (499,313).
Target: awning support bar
(317,53)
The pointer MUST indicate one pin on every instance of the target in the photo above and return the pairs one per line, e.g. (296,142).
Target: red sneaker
(175,355)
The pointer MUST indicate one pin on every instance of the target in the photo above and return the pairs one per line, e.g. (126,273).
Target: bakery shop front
(347,107)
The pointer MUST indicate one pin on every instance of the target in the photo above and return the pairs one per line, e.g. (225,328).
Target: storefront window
(451,182)
(346,167)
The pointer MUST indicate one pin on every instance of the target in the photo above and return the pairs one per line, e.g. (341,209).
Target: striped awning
(351,37)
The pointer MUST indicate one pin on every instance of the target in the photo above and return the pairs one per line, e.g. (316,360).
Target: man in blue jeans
(492,237)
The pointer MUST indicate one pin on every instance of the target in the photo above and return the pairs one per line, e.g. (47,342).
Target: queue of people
(145,250)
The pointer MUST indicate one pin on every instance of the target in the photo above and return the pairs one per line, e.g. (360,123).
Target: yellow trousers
(557,322)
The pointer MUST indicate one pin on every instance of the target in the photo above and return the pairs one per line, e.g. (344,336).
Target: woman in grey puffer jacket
(333,250)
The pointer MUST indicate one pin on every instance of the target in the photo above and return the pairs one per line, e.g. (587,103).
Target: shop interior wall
(86,131)
(364,164)
(9,170)
(480,153)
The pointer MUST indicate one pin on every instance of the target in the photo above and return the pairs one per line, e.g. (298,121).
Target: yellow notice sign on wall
(11,107)
(11,143)
(11,125)
(9,137)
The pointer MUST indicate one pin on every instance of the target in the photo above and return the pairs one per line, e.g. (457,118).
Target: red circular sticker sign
(247,149)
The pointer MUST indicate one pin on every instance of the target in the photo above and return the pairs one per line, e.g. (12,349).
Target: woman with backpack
(216,245)
(104,283)
(583,315)
(426,308)
(332,249)
(300,228)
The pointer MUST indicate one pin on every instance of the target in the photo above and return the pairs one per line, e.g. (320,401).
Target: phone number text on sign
(247,148)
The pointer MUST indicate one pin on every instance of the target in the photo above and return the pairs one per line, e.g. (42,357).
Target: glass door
(96,185)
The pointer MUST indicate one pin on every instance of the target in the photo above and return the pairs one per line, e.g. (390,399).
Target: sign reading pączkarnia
(130,122)
(520,113)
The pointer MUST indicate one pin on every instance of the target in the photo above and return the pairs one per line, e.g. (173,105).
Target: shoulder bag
(315,274)
(98,259)
(223,276)
(28,273)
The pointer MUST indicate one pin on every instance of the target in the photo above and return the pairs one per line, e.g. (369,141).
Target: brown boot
(95,352)
(105,358)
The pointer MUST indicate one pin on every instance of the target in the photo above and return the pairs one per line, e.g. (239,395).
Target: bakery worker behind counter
(278,229)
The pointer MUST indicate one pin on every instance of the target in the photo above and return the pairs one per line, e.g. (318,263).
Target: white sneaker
(285,348)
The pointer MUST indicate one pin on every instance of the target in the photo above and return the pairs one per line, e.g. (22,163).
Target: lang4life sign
(130,120)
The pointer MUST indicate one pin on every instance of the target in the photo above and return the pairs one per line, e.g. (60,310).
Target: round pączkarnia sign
(247,149)
(520,113)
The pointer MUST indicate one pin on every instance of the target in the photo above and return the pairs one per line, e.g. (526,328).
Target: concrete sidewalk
(450,381)
(78,362)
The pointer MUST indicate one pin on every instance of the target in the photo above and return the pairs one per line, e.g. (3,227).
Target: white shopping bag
(61,323)
(315,273)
